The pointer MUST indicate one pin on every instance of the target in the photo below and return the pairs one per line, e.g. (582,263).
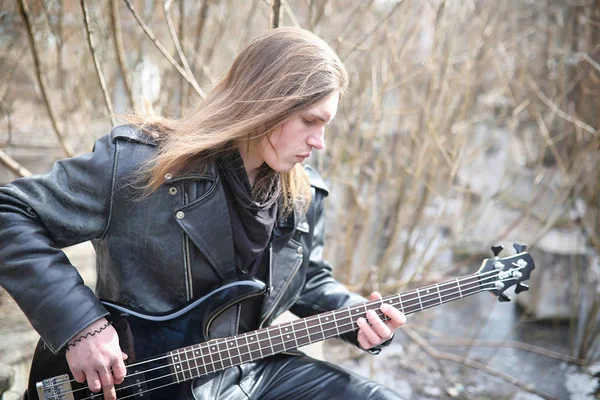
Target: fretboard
(218,354)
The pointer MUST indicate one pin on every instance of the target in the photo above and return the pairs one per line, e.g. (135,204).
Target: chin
(283,168)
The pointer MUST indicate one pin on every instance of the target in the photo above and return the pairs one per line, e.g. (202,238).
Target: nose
(317,139)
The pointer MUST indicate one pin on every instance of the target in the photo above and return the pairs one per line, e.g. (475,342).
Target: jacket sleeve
(321,291)
(41,214)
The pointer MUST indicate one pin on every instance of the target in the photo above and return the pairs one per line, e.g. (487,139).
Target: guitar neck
(194,361)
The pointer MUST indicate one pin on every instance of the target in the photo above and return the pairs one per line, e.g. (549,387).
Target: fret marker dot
(214,348)
(197,352)
(390,302)
(427,292)
(286,329)
(327,319)
(288,336)
(231,343)
(175,358)
(178,366)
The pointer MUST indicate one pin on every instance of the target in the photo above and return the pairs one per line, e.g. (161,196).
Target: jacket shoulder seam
(132,133)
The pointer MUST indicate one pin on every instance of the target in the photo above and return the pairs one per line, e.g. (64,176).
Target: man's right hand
(98,359)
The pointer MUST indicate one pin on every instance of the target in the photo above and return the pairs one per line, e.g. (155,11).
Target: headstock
(498,274)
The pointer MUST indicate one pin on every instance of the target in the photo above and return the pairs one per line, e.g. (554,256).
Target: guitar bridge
(56,388)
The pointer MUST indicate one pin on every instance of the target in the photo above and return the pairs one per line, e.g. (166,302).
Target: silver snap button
(172,191)
(299,250)
(180,215)
(168,176)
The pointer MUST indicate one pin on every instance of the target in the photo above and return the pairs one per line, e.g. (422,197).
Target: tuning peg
(503,298)
(496,250)
(519,247)
(521,287)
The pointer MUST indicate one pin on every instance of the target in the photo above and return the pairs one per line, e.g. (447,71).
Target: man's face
(293,141)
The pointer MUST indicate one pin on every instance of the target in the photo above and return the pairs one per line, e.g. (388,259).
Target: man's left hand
(373,331)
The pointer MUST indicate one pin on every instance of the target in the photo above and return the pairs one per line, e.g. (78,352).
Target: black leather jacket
(154,253)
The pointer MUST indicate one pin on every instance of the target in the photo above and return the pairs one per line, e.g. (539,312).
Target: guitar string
(172,383)
(462,293)
(192,373)
(414,291)
(205,346)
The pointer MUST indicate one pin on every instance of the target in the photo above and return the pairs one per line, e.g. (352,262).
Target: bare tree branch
(175,39)
(378,26)
(90,40)
(200,30)
(575,121)
(13,165)
(149,33)
(24,9)
(120,49)
(291,14)
(276,14)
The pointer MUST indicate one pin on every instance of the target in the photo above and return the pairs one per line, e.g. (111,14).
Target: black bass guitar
(168,349)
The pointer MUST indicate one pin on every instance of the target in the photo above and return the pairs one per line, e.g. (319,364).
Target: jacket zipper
(187,259)
(296,268)
(187,264)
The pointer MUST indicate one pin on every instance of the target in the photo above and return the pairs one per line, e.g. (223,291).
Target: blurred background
(468,124)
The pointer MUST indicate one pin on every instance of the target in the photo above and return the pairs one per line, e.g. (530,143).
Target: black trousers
(290,377)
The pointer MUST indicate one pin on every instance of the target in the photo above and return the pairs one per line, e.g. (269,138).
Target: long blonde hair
(280,73)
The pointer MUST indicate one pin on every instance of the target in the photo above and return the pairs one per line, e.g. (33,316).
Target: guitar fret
(439,294)
(254,347)
(344,320)
(314,329)
(329,325)
(400,305)
(419,297)
(291,334)
(458,285)
(277,340)
(408,306)
(268,335)
(218,364)
(233,346)
(429,297)
(302,337)
(224,350)
(190,361)
(175,365)
(207,359)
(264,342)
(180,366)
(198,359)
(243,349)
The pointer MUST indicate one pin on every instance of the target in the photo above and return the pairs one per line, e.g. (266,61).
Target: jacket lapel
(206,222)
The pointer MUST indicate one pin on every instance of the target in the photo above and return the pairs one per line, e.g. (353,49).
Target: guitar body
(144,337)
